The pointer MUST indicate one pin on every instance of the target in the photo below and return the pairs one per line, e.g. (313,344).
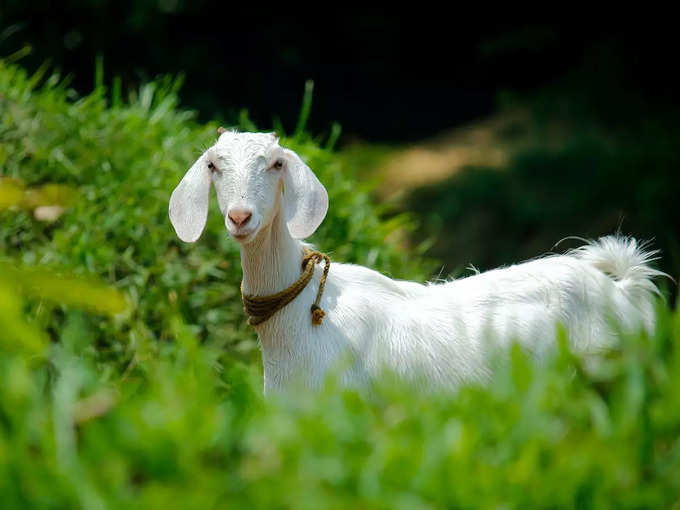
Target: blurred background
(500,135)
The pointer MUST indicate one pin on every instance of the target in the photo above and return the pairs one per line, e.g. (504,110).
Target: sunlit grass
(128,378)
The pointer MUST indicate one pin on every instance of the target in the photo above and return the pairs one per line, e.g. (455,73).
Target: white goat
(437,333)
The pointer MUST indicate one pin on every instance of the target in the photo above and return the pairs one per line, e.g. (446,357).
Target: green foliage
(130,393)
(183,429)
(598,158)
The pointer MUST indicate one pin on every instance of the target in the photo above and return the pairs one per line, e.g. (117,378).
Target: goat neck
(271,262)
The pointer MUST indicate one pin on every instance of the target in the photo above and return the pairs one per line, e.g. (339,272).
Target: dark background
(383,74)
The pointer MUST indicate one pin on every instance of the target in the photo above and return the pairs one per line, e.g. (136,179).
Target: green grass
(128,378)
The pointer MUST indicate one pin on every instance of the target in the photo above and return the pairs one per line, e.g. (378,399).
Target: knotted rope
(261,308)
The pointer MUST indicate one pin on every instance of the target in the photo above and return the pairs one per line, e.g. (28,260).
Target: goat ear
(305,200)
(189,202)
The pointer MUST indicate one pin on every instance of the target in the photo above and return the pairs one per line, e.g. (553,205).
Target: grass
(128,378)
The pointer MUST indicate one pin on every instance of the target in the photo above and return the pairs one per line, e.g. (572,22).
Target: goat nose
(240,216)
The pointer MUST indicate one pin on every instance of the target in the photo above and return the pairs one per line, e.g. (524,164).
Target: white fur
(439,334)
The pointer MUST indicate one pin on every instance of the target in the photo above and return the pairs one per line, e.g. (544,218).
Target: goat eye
(278,165)
(211,167)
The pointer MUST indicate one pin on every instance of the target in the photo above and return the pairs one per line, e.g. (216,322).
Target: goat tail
(626,261)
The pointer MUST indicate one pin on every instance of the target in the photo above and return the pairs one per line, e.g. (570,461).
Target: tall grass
(143,390)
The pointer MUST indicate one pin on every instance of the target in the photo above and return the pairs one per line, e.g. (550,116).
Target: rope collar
(261,308)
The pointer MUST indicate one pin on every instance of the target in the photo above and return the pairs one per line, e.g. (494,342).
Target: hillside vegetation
(128,378)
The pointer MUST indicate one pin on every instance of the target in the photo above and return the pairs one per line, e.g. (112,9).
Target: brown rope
(261,308)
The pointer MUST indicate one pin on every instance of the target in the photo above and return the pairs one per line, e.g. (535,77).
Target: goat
(436,333)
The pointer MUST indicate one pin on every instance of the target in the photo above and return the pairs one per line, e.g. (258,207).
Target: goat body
(442,334)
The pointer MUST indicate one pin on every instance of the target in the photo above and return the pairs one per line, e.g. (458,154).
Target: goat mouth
(242,237)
